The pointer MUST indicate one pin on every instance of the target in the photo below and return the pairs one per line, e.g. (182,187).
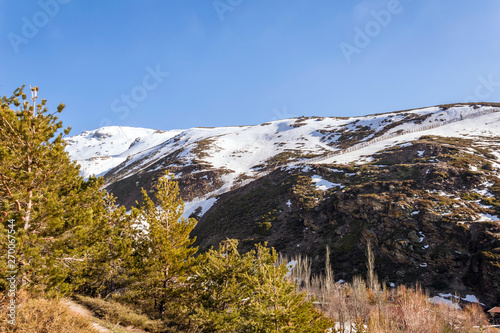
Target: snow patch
(191,207)
(441,300)
(291,265)
(407,144)
(483,217)
(471,299)
(322,184)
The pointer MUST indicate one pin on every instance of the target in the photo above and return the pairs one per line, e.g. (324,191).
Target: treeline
(70,238)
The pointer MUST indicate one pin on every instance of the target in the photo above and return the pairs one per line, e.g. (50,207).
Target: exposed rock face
(420,206)
(128,190)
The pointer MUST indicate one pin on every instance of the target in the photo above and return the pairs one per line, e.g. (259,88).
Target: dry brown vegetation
(369,306)
(40,315)
(360,306)
(115,313)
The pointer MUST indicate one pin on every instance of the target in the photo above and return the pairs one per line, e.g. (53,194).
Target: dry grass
(357,307)
(117,313)
(39,315)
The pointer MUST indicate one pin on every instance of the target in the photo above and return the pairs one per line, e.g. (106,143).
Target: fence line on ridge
(355,147)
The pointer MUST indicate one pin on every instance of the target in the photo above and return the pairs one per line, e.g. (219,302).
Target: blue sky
(171,64)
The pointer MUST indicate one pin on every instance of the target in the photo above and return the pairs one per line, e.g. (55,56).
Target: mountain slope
(430,209)
(238,153)
(421,185)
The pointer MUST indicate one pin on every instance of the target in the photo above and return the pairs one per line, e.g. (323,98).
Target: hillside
(422,185)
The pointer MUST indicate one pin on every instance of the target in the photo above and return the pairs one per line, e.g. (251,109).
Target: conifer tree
(163,252)
(221,289)
(107,261)
(249,293)
(276,304)
(41,190)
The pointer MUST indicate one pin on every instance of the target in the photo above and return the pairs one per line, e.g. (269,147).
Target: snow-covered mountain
(422,185)
(100,150)
(241,154)
(245,151)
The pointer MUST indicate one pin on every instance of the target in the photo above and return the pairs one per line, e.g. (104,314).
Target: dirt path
(78,309)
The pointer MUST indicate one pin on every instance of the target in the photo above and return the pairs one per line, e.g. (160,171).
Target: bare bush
(370,306)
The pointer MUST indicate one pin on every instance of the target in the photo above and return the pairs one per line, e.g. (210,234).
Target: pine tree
(41,190)
(276,304)
(221,288)
(107,262)
(163,252)
(249,293)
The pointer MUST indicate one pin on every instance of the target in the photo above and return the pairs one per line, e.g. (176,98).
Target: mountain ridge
(156,137)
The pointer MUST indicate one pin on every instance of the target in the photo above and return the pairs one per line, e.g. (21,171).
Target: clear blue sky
(237,62)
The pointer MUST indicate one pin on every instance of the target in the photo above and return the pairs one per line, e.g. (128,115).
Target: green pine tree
(107,261)
(276,304)
(40,188)
(249,293)
(221,289)
(163,252)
